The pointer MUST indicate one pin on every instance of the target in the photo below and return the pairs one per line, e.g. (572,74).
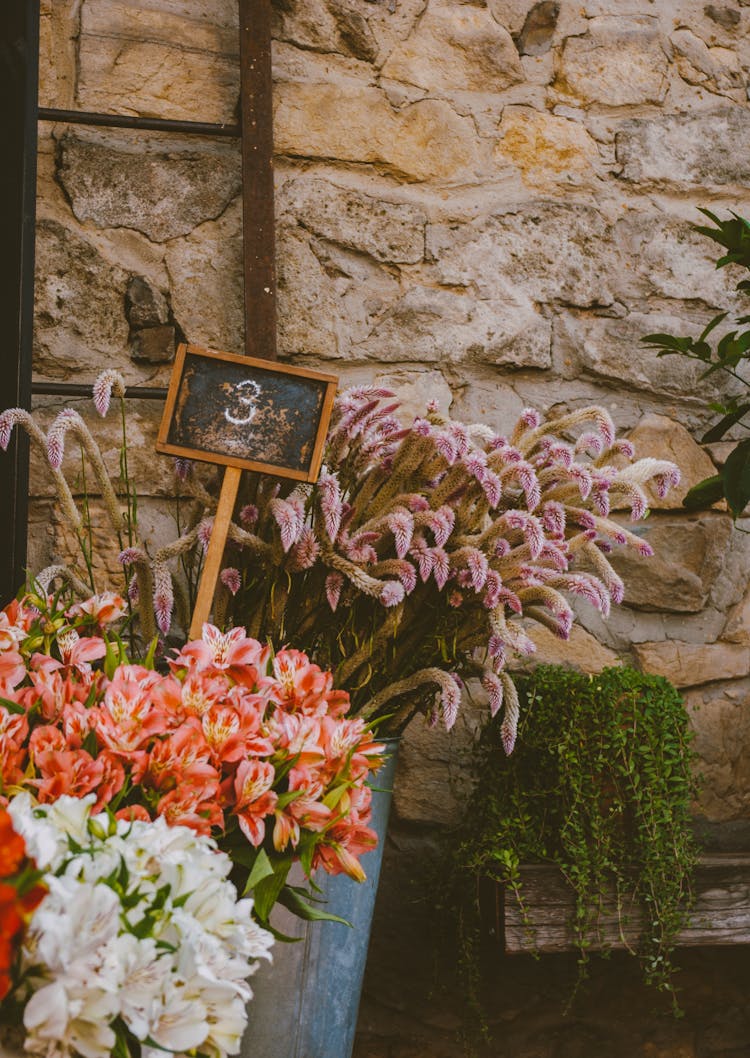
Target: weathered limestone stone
(538,29)
(148,59)
(662,438)
(426,140)
(80,316)
(716,69)
(434,324)
(686,150)
(727,17)
(456,49)
(388,231)
(145,306)
(620,62)
(720,717)
(434,769)
(548,150)
(689,553)
(548,251)
(161,195)
(581,651)
(154,345)
(354,30)
(611,348)
(691,664)
(666,257)
(58,29)
(306,23)
(205,270)
(307,306)
(737,629)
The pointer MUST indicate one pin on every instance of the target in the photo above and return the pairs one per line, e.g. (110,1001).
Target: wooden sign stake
(217,543)
(258,250)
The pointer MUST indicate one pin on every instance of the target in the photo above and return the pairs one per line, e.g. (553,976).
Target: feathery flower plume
(231,579)
(163,597)
(334,584)
(509,727)
(107,383)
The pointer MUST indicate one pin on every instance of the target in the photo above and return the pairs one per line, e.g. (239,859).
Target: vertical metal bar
(19,65)
(256,107)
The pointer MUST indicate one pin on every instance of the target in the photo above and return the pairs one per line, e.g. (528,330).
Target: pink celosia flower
(334,584)
(107,383)
(231,579)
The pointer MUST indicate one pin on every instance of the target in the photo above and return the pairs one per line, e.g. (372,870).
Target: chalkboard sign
(246,413)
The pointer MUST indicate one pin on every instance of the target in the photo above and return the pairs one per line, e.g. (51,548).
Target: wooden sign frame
(329,385)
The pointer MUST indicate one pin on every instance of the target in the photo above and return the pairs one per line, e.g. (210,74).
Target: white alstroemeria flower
(72,924)
(140,968)
(165,945)
(71,816)
(180,1021)
(60,1020)
(45,843)
(226,1026)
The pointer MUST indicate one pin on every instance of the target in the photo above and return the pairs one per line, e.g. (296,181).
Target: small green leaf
(267,890)
(12,707)
(261,869)
(717,432)
(736,477)
(295,903)
(705,493)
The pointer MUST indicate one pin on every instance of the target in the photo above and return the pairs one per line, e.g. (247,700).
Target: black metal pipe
(19,64)
(128,121)
(75,389)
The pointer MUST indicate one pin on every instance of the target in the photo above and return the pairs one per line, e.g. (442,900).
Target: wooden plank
(216,545)
(256,106)
(720,914)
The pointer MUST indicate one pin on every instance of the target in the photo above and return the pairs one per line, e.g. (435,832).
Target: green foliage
(600,784)
(729,355)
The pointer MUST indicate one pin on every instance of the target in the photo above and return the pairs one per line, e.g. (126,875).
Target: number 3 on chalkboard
(247,393)
(248,413)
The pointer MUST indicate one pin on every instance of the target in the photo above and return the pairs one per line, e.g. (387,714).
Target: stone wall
(484,203)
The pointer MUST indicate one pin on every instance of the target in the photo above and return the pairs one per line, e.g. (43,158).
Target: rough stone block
(548,150)
(547,251)
(692,664)
(145,306)
(426,140)
(80,314)
(145,58)
(456,49)
(153,345)
(665,257)
(581,651)
(689,554)
(611,348)
(162,190)
(388,231)
(620,62)
(687,150)
(436,325)
(205,270)
(659,437)
(720,718)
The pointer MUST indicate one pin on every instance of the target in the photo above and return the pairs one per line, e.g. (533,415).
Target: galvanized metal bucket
(305,1004)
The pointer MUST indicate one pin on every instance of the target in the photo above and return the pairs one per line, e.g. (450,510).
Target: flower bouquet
(420,558)
(232,739)
(139,945)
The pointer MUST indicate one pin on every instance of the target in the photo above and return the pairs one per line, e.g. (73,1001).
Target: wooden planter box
(720,915)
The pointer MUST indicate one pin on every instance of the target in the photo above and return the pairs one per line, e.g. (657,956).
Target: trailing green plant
(729,354)
(600,785)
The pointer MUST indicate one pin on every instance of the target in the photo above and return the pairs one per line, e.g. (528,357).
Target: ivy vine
(600,784)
